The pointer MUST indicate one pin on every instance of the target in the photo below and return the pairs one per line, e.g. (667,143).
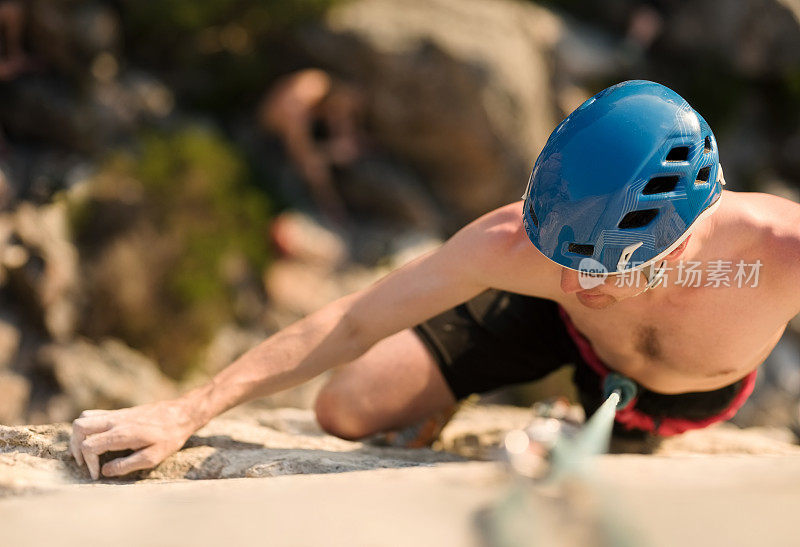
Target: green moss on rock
(191,206)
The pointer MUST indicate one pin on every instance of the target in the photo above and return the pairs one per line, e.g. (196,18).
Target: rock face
(478,431)
(469,103)
(80,41)
(109,375)
(15,391)
(252,442)
(243,443)
(42,265)
(757,37)
(466,91)
(461,93)
(48,373)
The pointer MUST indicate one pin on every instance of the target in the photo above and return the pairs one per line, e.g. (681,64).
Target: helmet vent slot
(707,145)
(661,185)
(581,249)
(702,175)
(638,219)
(679,153)
(534,218)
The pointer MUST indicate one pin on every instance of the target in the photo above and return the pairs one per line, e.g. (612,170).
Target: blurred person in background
(318,122)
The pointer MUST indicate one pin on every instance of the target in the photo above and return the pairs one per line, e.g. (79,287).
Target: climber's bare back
(677,338)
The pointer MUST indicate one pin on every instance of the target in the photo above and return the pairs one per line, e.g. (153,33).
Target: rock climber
(625,257)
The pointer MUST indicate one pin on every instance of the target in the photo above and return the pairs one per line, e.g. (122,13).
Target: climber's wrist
(197,407)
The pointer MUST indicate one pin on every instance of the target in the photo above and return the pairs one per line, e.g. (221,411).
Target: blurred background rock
(179,179)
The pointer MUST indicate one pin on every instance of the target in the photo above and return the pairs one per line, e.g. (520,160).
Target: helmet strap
(653,273)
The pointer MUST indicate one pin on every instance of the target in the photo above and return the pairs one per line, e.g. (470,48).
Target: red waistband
(631,418)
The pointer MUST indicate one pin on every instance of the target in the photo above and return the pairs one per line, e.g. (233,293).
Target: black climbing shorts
(499,338)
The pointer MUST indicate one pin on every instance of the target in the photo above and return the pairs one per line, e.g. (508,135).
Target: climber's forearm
(345,329)
(323,340)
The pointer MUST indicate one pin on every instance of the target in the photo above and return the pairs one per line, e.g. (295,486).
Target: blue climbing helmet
(623,179)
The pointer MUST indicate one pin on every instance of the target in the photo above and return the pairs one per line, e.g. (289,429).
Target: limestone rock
(468,103)
(300,288)
(10,337)
(299,236)
(387,192)
(254,442)
(14,394)
(775,401)
(729,439)
(478,431)
(228,344)
(108,375)
(243,443)
(43,265)
(757,37)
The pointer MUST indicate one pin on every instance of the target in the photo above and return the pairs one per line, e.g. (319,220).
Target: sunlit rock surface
(253,442)
(290,484)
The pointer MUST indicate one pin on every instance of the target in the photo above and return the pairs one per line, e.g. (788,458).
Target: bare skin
(671,339)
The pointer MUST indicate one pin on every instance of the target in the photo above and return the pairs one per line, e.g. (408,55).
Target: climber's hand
(154,431)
